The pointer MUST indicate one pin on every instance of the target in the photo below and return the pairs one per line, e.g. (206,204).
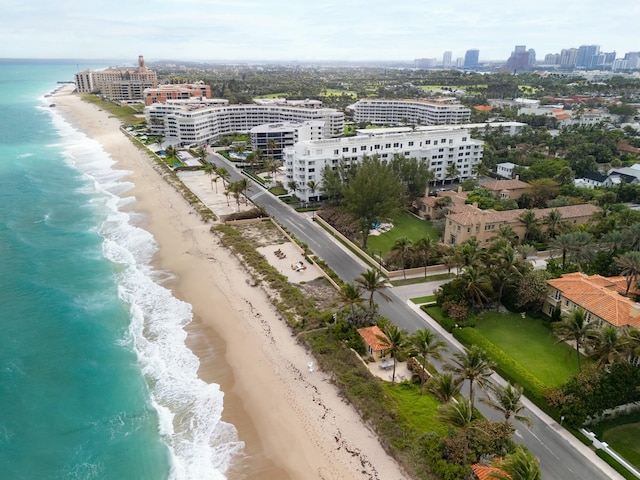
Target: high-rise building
(460,62)
(532,56)
(519,59)
(471,58)
(446,60)
(584,57)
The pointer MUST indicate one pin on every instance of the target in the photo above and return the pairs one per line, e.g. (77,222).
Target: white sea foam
(189,410)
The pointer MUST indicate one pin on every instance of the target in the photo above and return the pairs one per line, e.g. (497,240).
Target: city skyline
(208,30)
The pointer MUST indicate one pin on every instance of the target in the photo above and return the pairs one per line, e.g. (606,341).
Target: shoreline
(291,420)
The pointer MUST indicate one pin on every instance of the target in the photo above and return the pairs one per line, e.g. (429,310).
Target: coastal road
(562,456)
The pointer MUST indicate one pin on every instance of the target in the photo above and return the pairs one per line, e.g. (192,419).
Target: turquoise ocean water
(95,379)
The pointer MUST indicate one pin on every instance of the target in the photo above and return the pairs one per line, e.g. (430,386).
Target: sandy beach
(289,416)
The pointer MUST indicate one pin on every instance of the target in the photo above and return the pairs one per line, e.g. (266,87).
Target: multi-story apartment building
(272,138)
(445,111)
(189,121)
(438,148)
(117,84)
(181,91)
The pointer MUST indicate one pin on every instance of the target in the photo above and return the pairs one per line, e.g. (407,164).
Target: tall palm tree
(293,186)
(208,169)
(519,465)
(574,328)
(224,175)
(530,222)
(632,236)
(606,345)
(554,222)
(351,295)
(507,232)
(444,386)
(371,281)
(395,341)
(402,245)
(243,186)
(507,269)
(507,401)
(629,262)
(202,154)
(577,246)
(476,285)
(272,145)
(472,365)
(424,246)
(425,343)
(458,415)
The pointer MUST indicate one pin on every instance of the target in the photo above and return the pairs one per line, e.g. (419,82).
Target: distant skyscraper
(520,49)
(460,62)
(532,56)
(584,58)
(519,59)
(471,58)
(446,60)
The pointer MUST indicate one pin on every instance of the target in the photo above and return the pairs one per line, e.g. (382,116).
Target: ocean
(95,379)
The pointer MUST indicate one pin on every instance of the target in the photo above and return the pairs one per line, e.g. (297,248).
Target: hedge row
(506,366)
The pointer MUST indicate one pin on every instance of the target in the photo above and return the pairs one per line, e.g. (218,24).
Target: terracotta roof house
(372,339)
(429,205)
(469,221)
(507,189)
(598,296)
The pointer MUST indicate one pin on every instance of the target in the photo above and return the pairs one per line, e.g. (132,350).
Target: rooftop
(371,336)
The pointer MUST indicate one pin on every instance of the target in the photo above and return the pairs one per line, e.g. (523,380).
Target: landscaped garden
(404,225)
(622,435)
(529,342)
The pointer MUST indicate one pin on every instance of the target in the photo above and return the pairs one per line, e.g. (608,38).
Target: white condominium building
(187,122)
(439,149)
(272,138)
(445,111)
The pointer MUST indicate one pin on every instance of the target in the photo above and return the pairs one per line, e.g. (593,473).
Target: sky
(310,30)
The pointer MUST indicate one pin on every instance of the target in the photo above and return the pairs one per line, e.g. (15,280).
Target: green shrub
(438,315)
(615,465)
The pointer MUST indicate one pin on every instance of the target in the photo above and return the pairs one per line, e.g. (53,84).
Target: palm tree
(472,365)
(629,262)
(424,246)
(530,222)
(402,245)
(371,281)
(243,186)
(574,328)
(553,222)
(507,232)
(444,386)
(576,246)
(460,416)
(202,153)
(425,343)
(506,269)
(224,175)
(632,236)
(208,169)
(293,186)
(507,402)
(351,295)
(519,465)
(272,144)
(312,185)
(452,171)
(476,285)
(235,189)
(606,345)
(395,341)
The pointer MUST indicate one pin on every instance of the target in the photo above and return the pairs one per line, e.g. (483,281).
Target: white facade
(446,111)
(505,169)
(284,134)
(439,148)
(185,123)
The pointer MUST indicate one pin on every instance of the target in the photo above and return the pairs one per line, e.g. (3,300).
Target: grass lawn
(430,278)
(404,225)
(126,114)
(622,435)
(425,299)
(416,410)
(531,344)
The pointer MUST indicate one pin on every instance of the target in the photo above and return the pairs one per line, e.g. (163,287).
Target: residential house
(469,221)
(507,189)
(598,296)
(505,169)
(616,176)
(375,341)
(590,180)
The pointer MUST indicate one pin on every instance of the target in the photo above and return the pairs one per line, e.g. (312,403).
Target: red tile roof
(370,336)
(598,295)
